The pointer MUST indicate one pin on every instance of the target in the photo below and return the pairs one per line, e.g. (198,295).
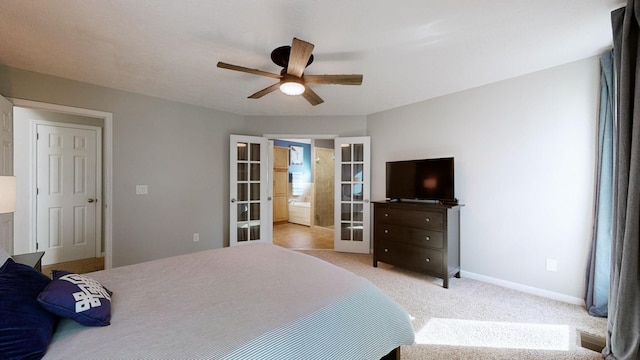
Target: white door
(67,192)
(6,168)
(250,211)
(352,189)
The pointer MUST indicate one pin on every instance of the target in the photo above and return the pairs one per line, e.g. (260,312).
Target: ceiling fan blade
(312,97)
(247,70)
(299,56)
(265,91)
(354,79)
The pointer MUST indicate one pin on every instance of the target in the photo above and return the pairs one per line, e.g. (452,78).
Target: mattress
(255,301)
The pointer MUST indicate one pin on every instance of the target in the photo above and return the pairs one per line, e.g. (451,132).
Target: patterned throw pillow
(77,297)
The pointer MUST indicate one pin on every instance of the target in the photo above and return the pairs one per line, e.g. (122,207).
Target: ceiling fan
(292,81)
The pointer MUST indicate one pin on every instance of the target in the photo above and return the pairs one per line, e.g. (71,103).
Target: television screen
(427,179)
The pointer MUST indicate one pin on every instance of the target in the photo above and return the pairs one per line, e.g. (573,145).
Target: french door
(352,188)
(250,213)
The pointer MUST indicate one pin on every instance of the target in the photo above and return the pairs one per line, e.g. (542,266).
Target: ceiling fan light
(292,88)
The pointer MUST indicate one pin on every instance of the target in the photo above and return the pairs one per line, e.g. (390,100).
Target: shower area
(324,183)
(309,180)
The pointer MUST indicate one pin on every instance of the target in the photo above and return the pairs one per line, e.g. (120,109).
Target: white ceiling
(407,50)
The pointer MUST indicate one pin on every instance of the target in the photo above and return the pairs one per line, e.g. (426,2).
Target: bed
(256,301)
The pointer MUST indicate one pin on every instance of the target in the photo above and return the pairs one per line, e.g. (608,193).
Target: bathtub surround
(300,212)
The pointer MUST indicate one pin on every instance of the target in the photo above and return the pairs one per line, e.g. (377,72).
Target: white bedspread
(253,301)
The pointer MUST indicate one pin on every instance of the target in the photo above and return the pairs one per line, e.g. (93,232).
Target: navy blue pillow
(25,327)
(77,297)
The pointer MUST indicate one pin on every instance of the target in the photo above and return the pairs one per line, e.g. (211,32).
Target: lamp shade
(7,194)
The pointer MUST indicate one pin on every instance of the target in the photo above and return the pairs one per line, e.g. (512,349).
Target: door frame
(312,137)
(107,171)
(33,221)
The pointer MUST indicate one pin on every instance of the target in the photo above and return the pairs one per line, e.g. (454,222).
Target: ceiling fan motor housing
(280,56)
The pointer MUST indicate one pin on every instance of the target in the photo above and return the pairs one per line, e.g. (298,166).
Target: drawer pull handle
(385,214)
(386,231)
(428,238)
(386,250)
(427,219)
(428,260)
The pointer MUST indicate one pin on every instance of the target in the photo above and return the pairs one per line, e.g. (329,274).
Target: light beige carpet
(476,320)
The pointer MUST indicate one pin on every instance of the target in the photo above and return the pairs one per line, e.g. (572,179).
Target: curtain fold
(598,275)
(623,323)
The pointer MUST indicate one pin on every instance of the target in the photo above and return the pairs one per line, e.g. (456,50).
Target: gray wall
(525,161)
(335,125)
(180,151)
(524,149)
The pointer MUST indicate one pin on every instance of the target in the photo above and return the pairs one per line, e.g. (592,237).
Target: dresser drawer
(410,256)
(431,220)
(422,237)
(407,235)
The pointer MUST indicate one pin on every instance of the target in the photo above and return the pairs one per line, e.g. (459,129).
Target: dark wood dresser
(418,236)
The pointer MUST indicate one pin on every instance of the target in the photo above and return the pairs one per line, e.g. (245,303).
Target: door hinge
(37,136)
(37,191)
(37,246)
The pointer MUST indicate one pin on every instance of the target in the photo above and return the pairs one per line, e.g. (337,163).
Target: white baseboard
(524,288)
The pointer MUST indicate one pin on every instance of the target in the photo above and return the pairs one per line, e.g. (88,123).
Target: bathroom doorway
(309,185)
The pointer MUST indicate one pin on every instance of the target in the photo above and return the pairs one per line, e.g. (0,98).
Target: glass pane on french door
(249,218)
(352,197)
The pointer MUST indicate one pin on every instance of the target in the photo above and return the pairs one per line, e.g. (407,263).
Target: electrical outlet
(552,265)
(196,237)
(142,189)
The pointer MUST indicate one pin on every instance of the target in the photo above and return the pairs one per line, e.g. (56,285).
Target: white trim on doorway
(107,163)
(304,138)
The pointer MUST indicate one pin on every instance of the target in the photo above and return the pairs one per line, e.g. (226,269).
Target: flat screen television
(426,179)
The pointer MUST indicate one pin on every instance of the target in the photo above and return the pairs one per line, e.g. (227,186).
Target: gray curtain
(597,295)
(623,323)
